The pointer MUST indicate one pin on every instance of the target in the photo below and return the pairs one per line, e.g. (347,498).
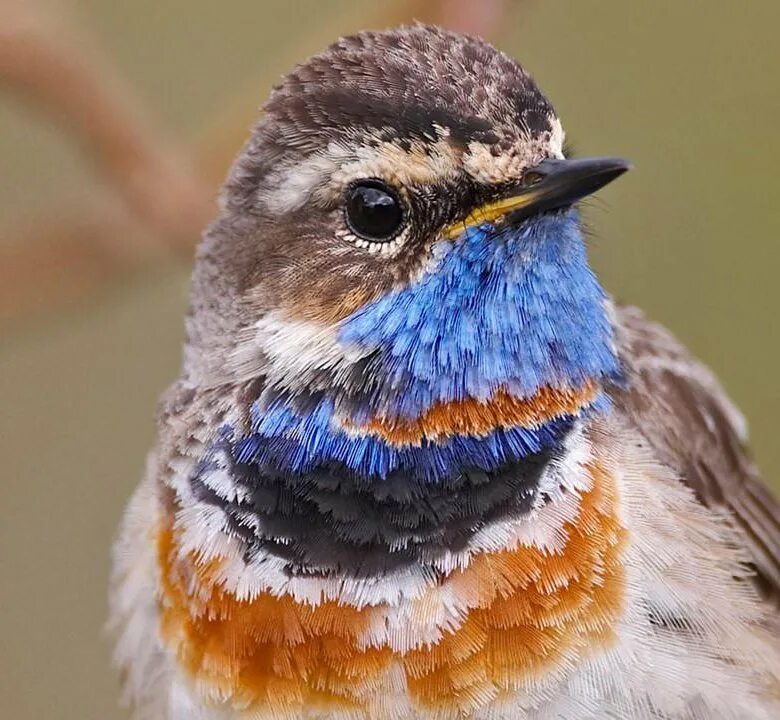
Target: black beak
(550,185)
(554,183)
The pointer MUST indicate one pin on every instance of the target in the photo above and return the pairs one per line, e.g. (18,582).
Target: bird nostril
(532,177)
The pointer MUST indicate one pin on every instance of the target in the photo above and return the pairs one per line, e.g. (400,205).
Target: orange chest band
(529,611)
(475,417)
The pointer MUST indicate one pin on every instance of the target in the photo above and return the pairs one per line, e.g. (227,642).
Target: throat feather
(513,309)
(473,378)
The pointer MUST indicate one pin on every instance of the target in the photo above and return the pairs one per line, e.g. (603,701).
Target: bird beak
(552,184)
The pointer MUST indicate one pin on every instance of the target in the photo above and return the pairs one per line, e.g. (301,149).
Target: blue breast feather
(517,308)
(300,444)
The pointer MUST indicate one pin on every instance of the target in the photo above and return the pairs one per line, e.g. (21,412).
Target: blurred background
(118,121)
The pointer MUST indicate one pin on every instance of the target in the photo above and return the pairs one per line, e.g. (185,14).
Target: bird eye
(373,210)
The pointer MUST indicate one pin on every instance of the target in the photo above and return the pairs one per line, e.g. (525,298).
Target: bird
(418,462)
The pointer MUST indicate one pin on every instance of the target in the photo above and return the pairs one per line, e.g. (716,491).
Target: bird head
(399,232)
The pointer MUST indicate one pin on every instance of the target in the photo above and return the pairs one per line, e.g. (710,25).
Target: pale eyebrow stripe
(322,175)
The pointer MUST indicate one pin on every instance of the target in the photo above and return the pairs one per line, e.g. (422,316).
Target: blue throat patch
(517,308)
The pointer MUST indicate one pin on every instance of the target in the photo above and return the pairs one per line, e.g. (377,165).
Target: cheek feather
(523,613)
(328,308)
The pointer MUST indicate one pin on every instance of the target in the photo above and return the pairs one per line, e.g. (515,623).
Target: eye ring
(374,211)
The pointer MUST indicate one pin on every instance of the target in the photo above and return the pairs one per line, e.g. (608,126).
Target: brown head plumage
(446,120)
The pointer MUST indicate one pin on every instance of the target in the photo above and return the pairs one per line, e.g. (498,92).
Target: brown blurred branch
(161,185)
(52,264)
(66,75)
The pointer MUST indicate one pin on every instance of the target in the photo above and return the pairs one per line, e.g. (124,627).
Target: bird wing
(682,411)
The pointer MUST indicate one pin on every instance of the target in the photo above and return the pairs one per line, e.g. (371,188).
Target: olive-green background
(688,90)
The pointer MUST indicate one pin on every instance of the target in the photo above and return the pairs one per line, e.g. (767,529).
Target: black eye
(374,210)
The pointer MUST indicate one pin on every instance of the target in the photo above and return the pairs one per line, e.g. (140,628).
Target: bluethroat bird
(418,464)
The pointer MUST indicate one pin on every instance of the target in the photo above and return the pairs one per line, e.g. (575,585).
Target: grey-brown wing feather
(681,409)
